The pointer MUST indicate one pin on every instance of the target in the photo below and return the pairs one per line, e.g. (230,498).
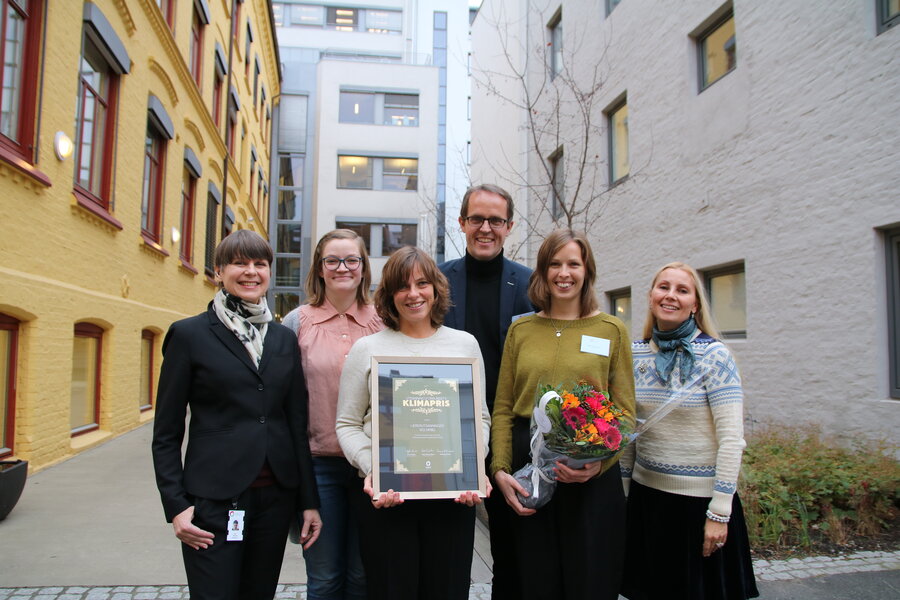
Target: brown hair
(539,291)
(703,316)
(245,244)
(395,276)
(491,189)
(315,285)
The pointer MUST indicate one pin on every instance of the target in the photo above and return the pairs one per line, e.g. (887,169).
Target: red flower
(613,438)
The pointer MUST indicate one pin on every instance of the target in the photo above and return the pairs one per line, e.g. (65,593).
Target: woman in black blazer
(248,464)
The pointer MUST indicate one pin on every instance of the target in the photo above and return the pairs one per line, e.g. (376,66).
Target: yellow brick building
(164,104)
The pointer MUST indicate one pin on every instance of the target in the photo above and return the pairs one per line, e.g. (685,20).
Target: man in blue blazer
(486,291)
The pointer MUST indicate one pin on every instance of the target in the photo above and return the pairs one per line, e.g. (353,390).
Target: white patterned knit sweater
(696,449)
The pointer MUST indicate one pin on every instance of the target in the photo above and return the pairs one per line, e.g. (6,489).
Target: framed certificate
(426,426)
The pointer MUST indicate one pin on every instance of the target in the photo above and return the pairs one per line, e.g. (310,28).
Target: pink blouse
(325,338)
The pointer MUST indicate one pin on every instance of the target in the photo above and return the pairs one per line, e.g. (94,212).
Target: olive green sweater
(534,355)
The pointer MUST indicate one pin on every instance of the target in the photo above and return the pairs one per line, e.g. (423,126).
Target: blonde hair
(315,285)
(702,316)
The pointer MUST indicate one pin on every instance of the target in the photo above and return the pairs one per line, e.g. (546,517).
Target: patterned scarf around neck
(668,343)
(249,322)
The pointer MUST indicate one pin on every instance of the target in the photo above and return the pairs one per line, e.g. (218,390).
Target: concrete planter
(12,482)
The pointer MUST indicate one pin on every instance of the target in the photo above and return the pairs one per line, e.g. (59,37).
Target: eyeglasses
(333,262)
(494,222)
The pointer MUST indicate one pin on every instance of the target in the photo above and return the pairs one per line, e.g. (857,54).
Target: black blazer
(240,417)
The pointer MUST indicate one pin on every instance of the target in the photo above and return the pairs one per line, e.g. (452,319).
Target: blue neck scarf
(668,343)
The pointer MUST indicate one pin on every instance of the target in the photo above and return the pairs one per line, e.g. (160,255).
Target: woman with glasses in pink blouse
(339,312)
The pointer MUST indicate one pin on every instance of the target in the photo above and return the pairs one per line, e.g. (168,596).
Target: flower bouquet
(575,425)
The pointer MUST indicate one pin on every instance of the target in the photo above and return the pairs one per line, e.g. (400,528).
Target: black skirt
(664,550)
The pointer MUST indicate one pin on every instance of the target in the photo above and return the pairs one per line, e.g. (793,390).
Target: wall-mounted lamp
(176,235)
(63,146)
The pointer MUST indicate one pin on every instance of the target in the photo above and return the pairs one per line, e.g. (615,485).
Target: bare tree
(556,84)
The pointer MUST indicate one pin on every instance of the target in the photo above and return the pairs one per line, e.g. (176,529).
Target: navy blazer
(240,416)
(513,294)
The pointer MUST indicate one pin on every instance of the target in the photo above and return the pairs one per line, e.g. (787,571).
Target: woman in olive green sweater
(572,547)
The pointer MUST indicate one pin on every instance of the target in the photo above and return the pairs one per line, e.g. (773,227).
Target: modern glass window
(556,44)
(400,110)
(357,107)
(382,238)
(400,174)
(356,172)
(338,18)
(888,14)
(20,30)
(341,19)
(718,51)
(619,165)
(728,300)
(892,262)
(196,49)
(557,183)
(145,396)
(9,343)
(188,194)
(370,173)
(152,189)
(290,198)
(86,363)
(95,125)
(620,306)
(285,302)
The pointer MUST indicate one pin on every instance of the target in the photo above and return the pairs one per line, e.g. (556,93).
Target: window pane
(395,236)
(621,306)
(290,205)
(12,77)
(287,271)
(400,174)
(620,166)
(728,302)
(302,14)
(6,370)
(718,52)
(212,214)
(556,56)
(357,107)
(290,171)
(285,303)
(342,19)
(146,372)
(288,239)
(383,21)
(292,126)
(401,109)
(558,184)
(893,8)
(355,172)
(84,381)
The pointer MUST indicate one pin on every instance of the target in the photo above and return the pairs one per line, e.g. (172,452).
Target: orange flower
(569,400)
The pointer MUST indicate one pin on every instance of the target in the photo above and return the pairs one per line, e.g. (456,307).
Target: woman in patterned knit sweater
(686,532)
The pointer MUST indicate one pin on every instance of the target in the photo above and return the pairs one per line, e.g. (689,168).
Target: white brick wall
(788,163)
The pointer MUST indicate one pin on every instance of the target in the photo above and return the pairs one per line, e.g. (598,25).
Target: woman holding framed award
(338,312)
(685,520)
(568,341)
(417,549)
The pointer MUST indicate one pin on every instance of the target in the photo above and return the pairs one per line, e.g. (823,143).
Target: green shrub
(797,485)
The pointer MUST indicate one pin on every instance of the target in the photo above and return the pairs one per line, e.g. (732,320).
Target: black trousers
(504,583)
(245,570)
(574,546)
(419,550)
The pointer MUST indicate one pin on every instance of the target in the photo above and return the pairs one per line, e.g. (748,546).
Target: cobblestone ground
(776,570)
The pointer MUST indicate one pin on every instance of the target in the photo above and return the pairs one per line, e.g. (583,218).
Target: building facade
(754,140)
(133,133)
(368,137)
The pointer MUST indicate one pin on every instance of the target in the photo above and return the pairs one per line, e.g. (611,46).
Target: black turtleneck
(483,314)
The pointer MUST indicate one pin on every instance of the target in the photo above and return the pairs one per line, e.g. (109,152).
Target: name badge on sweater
(595,345)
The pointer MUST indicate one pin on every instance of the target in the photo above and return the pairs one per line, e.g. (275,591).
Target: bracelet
(717,518)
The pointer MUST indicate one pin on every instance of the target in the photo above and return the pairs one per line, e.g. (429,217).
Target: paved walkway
(92,528)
